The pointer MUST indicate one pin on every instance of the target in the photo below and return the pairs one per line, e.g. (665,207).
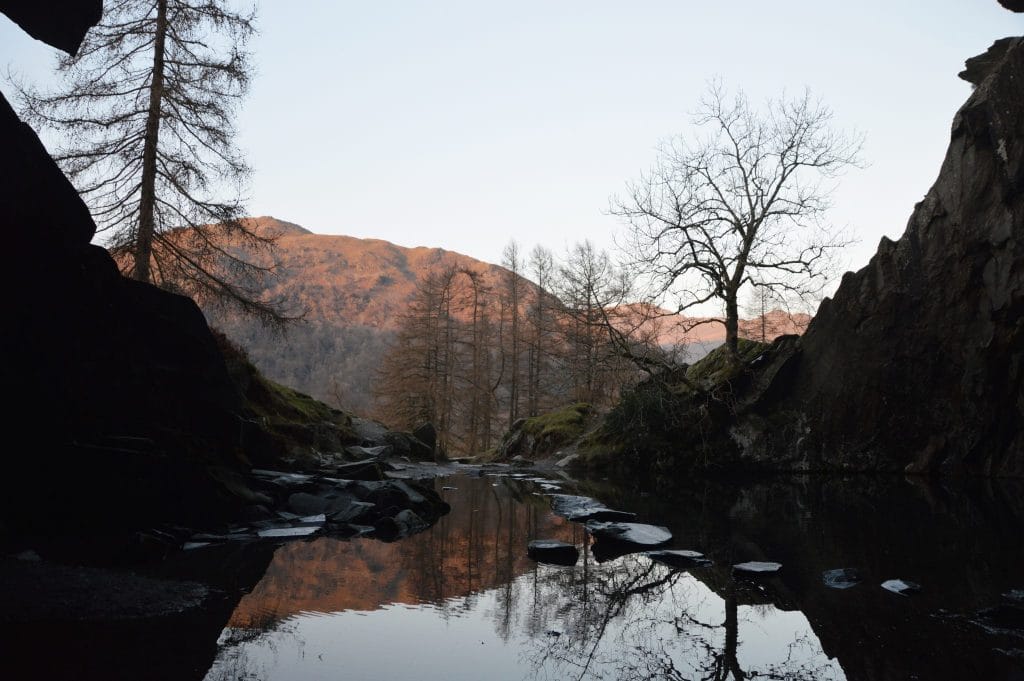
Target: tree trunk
(147,190)
(732,324)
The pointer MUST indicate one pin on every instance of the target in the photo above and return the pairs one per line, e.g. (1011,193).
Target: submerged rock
(579,508)
(842,578)
(552,551)
(757,567)
(637,534)
(900,586)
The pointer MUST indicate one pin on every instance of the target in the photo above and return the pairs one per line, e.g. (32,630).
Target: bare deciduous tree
(745,204)
(147,115)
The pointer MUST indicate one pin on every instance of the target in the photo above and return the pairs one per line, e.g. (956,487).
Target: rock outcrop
(919,358)
(916,364)
(119,397)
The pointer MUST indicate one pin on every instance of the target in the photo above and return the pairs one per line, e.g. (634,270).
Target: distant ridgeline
(371,340)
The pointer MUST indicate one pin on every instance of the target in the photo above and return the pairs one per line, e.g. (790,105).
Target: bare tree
(147,114)
(512,261)
(592,291)
(745,204)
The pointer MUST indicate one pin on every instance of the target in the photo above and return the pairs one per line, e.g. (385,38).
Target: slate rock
(841,578)
(757,567)
(900,586)
(637,534)
(303,503)
(580,508)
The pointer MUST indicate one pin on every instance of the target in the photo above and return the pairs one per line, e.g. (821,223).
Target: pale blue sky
(462,124)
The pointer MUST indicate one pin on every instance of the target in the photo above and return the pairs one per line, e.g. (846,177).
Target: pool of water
(463,601)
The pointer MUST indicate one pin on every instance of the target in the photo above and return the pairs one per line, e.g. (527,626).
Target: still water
(463,601)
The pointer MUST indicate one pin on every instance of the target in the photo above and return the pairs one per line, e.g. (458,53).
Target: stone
(757,567)
(304,504)
(899,586)
(580,509)
(553,552)
(427,434)
(361,470)
(630,533)
(360,453)
(287,532)
(841,578)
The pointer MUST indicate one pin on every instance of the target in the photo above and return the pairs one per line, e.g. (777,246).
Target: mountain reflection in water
(462,600)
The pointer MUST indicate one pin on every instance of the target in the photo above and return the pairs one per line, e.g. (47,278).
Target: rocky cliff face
(916,364)
(919,359)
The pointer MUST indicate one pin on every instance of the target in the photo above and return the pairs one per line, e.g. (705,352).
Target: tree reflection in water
(464,597)
(635,619)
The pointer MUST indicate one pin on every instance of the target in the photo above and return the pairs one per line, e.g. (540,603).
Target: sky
(465,124)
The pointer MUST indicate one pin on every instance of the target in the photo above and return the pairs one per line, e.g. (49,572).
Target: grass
(559,427)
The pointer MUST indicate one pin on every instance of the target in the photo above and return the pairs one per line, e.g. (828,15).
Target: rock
(361,470)
(409,523)
(520,461)
(567,461)
(841,578)
(978,68)
(1002,619)
(899,586)
(304,504)
(60,23)
(553,552)
(629,533)
(579,508)
(679,558)
(360,453)
(427,434)
(926,340)
(1015,595)
(348,510)
(405,445)
(371,433)
(757,567)
(287,532)
(1013,5)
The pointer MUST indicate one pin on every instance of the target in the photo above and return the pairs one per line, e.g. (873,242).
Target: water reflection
(463,601)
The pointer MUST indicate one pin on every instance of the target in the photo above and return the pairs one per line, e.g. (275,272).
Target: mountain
(352,294)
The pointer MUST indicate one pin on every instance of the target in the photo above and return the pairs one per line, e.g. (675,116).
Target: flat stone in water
(680,558)
(757,567)
(900,586)
(579,508)
(841,578)
(552,551)
(301,531)
(630,533)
